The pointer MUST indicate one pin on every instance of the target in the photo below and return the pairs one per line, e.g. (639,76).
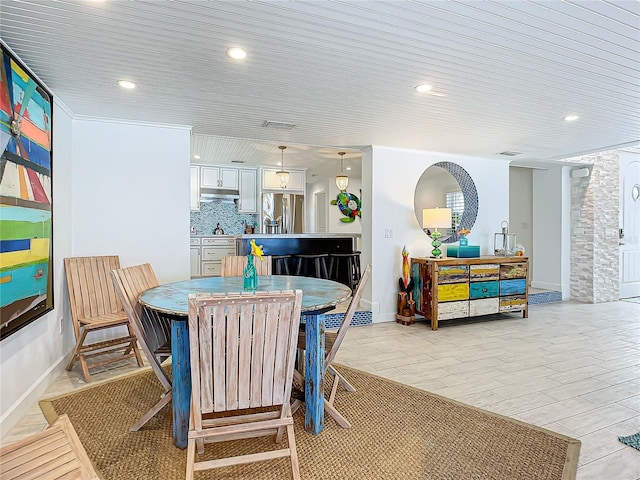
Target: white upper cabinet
(270,180)
(248,202)
(218,177)
(194,188)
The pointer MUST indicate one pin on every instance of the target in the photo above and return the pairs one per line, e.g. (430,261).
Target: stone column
(594,230)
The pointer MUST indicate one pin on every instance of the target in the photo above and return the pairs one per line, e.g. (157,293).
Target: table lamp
(436,218)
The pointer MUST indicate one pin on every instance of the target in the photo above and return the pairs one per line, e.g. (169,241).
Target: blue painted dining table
(171,301)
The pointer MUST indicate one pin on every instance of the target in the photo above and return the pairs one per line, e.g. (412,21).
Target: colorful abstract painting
(26,247)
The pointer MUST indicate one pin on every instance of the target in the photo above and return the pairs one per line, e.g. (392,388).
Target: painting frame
(26,195)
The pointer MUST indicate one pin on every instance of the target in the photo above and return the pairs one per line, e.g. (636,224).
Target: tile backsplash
(226,214)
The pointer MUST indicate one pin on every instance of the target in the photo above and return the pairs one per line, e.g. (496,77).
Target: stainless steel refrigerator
(282,213)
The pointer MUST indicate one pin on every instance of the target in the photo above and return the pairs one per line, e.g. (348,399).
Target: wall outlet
(388,233)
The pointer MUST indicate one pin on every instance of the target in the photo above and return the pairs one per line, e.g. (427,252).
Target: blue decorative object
(469,251)
(464,241)
(250,275)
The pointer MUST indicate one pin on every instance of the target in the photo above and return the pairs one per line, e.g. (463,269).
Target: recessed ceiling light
(126,84)
(423,88)
(348,168)
(197,157)
(571,118)
(236,53)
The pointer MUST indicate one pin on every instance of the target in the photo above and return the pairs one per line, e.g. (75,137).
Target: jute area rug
(398,432)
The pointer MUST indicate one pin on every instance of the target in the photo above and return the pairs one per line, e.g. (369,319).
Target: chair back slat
(348,317)
(242,348)
(91,293)
(233,265)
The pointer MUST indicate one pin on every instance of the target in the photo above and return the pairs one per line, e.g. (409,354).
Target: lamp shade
(342,182)
(436,218)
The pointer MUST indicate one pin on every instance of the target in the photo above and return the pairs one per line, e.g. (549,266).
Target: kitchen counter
(285,235)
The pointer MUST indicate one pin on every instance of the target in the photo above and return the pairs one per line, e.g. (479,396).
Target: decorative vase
(464,241)
(250,275)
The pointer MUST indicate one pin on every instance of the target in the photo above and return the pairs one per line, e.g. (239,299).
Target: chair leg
(80,356)
(85,368)
(337,416)
(346,385)
(293,452)
(149,415)
(295,406)
(191,457)
(136,348)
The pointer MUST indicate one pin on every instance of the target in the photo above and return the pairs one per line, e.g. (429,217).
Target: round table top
(172,298)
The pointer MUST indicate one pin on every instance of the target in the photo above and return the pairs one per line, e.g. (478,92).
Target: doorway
(629,225)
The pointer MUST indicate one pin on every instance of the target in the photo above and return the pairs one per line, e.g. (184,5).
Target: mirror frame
(469,192)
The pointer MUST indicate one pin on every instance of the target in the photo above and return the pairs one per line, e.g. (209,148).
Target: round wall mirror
(447,185)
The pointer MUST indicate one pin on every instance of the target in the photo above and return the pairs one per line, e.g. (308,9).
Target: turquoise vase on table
(464,241)
(250,275)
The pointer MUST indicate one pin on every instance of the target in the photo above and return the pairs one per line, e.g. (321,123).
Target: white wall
(118,188)
(131,194)
(34,356)
(521,207)
(393,175)
(549,212)
(334,224)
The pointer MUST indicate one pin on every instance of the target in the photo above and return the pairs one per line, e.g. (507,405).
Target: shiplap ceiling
(504,74)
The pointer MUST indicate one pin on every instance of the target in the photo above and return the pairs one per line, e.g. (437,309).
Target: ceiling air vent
(510,153)
(280,125)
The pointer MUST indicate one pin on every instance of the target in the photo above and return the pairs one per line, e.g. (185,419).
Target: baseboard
(19,409)
(555,287)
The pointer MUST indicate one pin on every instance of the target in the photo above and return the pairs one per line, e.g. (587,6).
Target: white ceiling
(504,73)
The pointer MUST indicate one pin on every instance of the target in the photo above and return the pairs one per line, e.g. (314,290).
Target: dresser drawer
(211,269)
(216,253)
(484,289)
(453,310)
(453,291)
(513,270)
(480,273)
(453,274)
(194,241)
(513,303)
(512,287)
(486,306)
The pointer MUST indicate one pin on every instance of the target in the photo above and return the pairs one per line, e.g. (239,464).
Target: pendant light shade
(342,181)
(282,174)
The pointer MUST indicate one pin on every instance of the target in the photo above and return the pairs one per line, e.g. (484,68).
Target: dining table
(170,301)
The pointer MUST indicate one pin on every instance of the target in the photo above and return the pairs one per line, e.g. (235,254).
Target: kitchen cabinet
(447,288)
(195,257)
(248,179)
(194,188)
(218,177)
(210,251)
(297,179)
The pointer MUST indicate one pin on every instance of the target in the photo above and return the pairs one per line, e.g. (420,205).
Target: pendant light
(282,174)
(342,181)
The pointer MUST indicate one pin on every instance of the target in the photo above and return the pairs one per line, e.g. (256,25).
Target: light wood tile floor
(572,368)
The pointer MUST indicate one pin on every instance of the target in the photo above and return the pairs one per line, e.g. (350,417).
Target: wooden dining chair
(233,265)
(242,348)
(55,453)
(95,307)
(153,332)
(333,340)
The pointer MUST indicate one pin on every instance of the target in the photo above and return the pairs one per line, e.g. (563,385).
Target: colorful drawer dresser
(446,288)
